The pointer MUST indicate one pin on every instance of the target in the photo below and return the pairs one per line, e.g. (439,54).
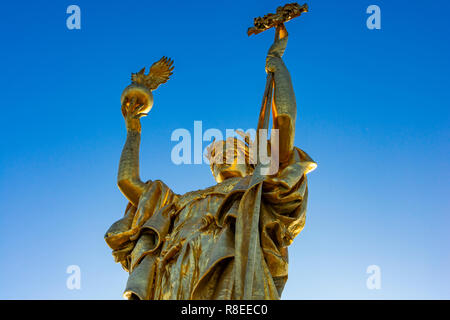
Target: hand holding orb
(137,98)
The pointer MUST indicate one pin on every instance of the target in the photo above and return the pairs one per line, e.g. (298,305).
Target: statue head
(230,158)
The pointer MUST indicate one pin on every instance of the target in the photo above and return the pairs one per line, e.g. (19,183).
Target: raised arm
(128,178)
(284,106)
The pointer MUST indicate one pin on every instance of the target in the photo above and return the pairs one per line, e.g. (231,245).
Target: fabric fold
(228,241)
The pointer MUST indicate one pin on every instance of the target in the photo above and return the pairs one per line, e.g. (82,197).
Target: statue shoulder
(304,159)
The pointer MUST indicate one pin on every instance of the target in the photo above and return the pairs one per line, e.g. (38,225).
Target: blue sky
(373,112)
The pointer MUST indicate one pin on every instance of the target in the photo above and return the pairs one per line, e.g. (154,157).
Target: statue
(228,241)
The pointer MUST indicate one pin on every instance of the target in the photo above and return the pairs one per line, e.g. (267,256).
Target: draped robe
(228,241)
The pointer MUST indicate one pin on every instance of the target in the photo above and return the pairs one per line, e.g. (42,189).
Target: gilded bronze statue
(228,241)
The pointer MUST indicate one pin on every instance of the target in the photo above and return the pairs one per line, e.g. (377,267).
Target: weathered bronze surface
(228,241)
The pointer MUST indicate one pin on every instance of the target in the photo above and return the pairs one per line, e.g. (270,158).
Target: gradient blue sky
(373,112)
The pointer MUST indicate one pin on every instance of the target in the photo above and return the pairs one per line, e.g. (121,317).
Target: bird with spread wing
(137,98)
(159,73)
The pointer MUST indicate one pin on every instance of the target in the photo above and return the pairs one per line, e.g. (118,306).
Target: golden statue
(228,241)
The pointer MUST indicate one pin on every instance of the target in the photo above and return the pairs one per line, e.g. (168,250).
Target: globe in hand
(142,95)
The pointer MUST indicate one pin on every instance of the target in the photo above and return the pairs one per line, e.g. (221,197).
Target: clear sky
(373,112)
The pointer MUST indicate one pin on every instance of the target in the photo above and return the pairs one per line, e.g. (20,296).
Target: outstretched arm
(128,178)
(284,106)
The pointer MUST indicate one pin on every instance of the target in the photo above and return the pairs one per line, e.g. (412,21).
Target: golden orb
(141,93)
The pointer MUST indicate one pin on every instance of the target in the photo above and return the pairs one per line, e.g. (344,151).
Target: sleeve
(123,236)
(283,209)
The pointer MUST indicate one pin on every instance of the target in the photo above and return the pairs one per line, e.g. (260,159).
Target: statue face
(224,171)
(229,159)
(232,164)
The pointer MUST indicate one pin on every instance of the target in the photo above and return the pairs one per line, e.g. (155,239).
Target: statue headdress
(245,145)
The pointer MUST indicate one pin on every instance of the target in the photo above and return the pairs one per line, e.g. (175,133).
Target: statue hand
(276,51)
(132,115)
